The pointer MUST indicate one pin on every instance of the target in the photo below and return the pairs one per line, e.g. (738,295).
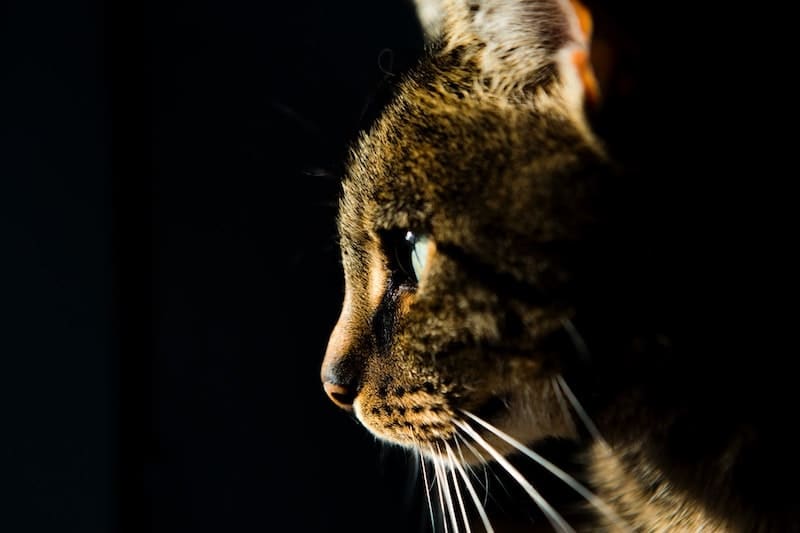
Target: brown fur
(486,149)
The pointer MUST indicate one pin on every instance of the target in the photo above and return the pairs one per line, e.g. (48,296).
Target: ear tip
(430,16)
(584,17)
(591,87)
(580,85)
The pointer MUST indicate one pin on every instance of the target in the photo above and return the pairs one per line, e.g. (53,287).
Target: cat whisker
(487,467)
(562,403)
(473,494)
(428,488)
(294,116)
(438,475)
(441,513)
(576,338)
(451,460)
(555,519)
(413,481)
(446,487)
(444,512)
(573,483)
(583,350)
(582,414)
(386,55)
(484,465)
(320,172)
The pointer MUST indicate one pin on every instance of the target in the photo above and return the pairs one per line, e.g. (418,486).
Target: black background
(171,268)
(169,264)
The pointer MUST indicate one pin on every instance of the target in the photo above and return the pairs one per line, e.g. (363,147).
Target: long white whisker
(451,460)
(474,495)
(446,487)
(484,465)
(552,515)
(412,490)
(562,403)
(438,474)
(486,469)
(485,483)
(577,338)
(584,416)
(427,490)
(560,474)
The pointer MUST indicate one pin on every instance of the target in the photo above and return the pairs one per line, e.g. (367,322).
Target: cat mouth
(433,425)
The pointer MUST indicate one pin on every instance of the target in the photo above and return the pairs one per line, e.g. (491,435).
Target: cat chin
(404,425)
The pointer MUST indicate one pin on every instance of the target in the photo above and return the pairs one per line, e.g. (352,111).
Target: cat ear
(430,14)
(522,41)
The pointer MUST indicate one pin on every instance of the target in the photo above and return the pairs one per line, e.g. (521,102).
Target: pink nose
(340,395)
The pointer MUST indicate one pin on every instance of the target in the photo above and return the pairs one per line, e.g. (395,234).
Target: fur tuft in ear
(523,42)
(430,14)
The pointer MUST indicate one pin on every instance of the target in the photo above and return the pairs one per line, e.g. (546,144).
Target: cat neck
(639,493)
(693,470)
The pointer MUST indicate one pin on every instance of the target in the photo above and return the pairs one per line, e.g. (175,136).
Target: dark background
(170,275)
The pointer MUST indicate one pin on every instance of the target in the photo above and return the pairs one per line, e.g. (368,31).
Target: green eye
(419,249)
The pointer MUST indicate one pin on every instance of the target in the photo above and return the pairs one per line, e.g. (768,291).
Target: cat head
(466,222)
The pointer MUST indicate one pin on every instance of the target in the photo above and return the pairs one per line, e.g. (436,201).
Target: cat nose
(341,395)
(342,367)
(340,380)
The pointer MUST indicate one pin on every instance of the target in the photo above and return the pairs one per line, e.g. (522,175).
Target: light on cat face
(420,249)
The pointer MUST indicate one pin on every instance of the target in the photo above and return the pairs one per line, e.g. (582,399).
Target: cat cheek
(404,302)
(377,279)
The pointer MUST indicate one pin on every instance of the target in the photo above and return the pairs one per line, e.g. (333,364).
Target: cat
(509,281)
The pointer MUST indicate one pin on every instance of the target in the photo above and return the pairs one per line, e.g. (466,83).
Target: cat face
(464,222)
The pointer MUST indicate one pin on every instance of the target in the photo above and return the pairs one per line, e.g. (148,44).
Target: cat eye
(419,249)
(407,253)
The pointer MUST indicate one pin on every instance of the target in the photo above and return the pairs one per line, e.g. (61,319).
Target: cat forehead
(430,149)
